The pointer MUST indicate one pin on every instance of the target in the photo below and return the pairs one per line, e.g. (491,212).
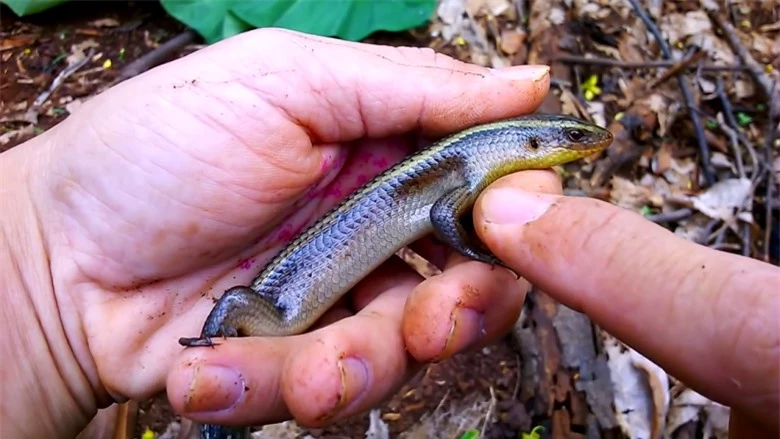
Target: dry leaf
(720,160)
(77,51)
(690,406)
(512,41)
(498,7)
(724,199)
(641,390)
(20,40)
(681,172)
(744,88)
(8,136)
(663,159)
(597,110)
(104,22)
(625,193)
(665,109)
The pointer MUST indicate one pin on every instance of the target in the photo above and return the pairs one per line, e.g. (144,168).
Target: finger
(708,317)
(235,382)
(467,306)
(336,101)
(316,377)
(354,365)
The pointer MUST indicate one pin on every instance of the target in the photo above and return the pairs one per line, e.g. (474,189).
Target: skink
(428,192)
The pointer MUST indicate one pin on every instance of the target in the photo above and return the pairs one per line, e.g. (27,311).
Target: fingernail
(354,381)
(523,73)
(514,206)
(467,329)
(214,388)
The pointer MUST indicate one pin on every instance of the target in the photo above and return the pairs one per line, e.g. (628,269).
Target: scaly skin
(428,192)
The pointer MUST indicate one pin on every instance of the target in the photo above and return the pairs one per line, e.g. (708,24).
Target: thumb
(683,305)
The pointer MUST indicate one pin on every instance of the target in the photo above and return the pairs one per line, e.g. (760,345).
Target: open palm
(174,186)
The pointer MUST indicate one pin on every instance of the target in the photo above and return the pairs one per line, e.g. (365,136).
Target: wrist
(51,394)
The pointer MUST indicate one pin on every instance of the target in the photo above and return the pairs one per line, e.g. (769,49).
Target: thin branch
(670,217)
(769,141)
(737,137)
(704,151)
(560,83)
(657,64)
(733,128)
(32,114)
(675,69)
(723,246)
(730,33)
(157,56)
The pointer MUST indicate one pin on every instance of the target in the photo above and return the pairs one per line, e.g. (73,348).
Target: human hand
(127,219)
(708,318)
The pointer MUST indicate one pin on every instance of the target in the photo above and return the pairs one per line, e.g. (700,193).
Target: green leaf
(744,119)
(346,19)
(29,7)
(534,434)
(470,434)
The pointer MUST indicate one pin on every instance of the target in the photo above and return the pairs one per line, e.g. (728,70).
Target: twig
(728,113)
(675,69)
(755,69)
(658,64)
(769,140)
(704,151)
(31,115)
(738,137)
(520,7)
(670,217)
(517,383)
(725,246)
(705,235)
(489,412)
(560,83)
(719,236)
(155,57)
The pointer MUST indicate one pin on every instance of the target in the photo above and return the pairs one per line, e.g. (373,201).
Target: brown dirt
(34,49)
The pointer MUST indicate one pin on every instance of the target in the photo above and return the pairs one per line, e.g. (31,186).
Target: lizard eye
(575,135)
(534,143)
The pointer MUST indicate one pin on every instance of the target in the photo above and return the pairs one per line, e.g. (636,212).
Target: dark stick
(704,151)
(769,140)
(670,217)
(659,64)
(157,56)
(676,68)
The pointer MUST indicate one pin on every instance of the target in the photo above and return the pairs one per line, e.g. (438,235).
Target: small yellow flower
(107,64)
(591,88)
(147,434)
